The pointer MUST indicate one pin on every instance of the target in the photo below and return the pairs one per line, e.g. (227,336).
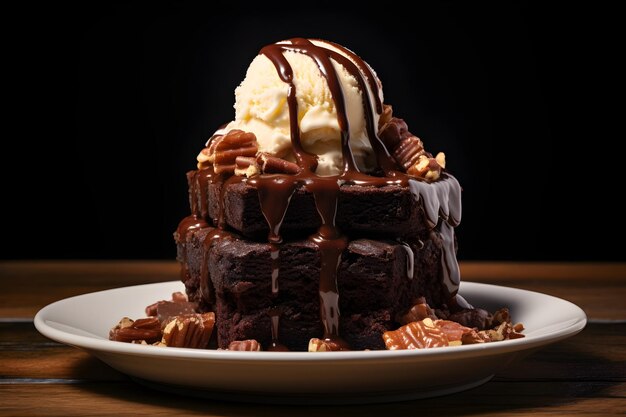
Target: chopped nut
(274,165)
(167,309)
(203,158)
(326,345)
(509,332)
(125,322)
(441,159)
(409,151)
(472,338)
(420,168)
(249,345)
(189,330)
(246,166)
(503,331)
(224,150)
(453,330)
(127,330)
(151,310)
(473,317)
(416,335)
(392,133)
(177,297)
(385,116)
(225,156)
(419,311)
(434,170)
(501,316)
(427,167)
(493,335)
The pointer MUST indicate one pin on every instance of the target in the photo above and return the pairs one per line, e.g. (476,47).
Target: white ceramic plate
(300,377)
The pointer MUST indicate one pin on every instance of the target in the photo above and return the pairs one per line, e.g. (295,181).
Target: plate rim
(94,344)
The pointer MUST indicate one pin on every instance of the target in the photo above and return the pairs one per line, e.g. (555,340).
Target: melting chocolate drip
(207,291)
(331,245)
(410,260)
(275,345)
(189,224)
(274,53)
(366,70)
(274,196)
(441,201)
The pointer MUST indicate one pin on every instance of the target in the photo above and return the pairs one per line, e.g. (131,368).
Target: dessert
(319,222)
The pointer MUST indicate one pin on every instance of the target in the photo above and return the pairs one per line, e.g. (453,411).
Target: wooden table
(585,374)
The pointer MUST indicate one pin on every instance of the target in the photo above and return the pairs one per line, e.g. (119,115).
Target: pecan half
(167,309)
(189,330)
(392,133)
(127,330)
(249,345)
(454,331)
(273,165)
(408,150)
(419,311)
(177,297)
(416,335)
(326,345)
(246,166)
(224,150)
(428,167)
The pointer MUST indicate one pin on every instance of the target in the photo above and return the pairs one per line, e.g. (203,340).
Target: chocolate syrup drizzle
(440,199)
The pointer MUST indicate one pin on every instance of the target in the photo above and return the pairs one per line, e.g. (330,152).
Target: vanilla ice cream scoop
(261,107)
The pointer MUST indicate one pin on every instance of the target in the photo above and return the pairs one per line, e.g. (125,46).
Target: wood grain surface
(583,375)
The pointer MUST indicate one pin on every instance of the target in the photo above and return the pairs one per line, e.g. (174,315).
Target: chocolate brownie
(377,280)
(387,211)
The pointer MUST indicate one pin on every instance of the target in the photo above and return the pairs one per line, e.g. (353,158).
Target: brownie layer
(368,211)
(377,279)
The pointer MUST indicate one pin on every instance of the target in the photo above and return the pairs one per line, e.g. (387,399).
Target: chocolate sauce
(204,178)
(440,200)
(187,225)
(207,291)
(274,53)
(275,193)
(275,345)
(221,219)
(410,260)
(366,70)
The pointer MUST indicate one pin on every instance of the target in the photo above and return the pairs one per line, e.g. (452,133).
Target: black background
(108,105)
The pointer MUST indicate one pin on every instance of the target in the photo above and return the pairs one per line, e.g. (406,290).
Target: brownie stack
(301,250)
(397,250)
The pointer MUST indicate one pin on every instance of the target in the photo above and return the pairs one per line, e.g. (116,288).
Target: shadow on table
(545,379)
